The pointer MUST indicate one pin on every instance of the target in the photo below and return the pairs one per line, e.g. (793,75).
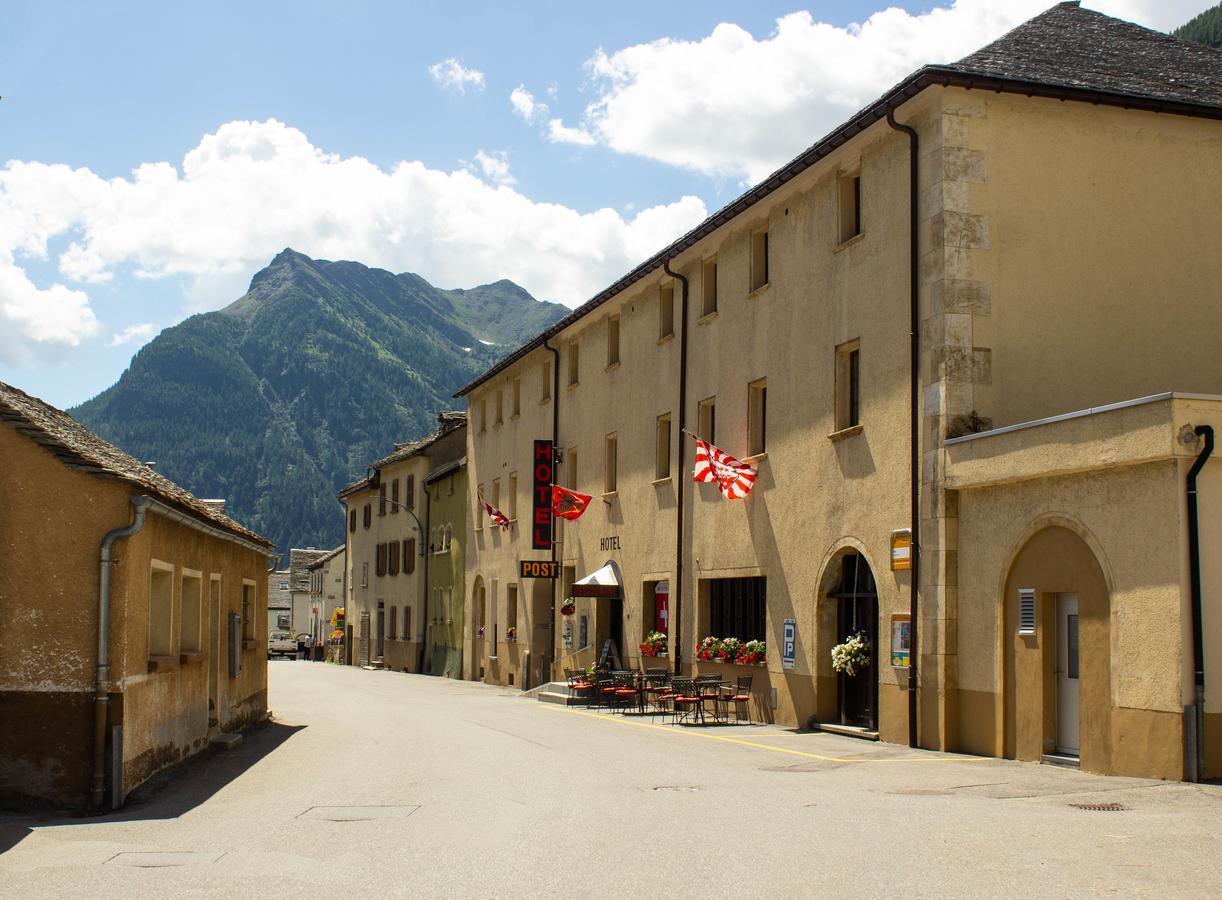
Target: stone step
(556,692)
(226,740)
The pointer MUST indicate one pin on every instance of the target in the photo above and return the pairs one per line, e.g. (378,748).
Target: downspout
(424,576)
(676,647)
(101,697)
(1194,581)
(914,410)
(551,653)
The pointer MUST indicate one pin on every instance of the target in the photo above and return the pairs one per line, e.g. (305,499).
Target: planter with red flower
(752,653)
(568,607)
(654,644)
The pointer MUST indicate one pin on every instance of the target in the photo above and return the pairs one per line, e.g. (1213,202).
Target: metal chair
(708,689)
(741,698)
(684,699)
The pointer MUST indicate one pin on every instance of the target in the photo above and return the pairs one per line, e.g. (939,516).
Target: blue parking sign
(789,644)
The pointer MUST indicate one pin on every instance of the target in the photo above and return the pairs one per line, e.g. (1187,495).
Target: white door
(1067,674)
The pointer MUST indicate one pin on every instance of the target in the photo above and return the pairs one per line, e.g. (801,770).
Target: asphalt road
(384,784)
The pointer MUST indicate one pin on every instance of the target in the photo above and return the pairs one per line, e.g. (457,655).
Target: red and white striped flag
(732,476)
(497,517)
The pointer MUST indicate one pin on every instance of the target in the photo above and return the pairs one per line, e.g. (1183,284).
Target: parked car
(281,643)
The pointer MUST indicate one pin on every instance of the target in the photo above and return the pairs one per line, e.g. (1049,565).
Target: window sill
(755,458)
(759,291)
(496,425)
(190,656)
(659,481)
(844,433)
(574,385)
(666,339)
(611,367)
(608,496)
(850,242)
(515,416)
(162,663)
(544,401)
(706,318)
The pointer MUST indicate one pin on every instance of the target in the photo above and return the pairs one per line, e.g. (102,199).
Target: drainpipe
(425,660)
(101,697)
(551,653)
(676,648)
(914,411)
(1197,770)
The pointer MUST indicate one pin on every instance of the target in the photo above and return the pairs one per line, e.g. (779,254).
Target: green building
(446,522)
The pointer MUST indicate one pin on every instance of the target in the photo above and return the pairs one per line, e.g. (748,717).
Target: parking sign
(789,644)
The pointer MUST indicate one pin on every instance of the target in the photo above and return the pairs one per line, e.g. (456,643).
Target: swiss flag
(568,504)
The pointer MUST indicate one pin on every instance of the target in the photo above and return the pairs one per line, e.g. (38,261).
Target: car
(281,643)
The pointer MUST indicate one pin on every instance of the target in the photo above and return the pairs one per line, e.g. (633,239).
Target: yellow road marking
(758,746)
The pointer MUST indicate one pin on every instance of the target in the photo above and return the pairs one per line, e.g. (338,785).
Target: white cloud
(451,73)
(525,104)
(252,188)
(495,166)
(731,105)
(559,133)
(139,333)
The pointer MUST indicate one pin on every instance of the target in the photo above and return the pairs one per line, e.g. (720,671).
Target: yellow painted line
(756,745)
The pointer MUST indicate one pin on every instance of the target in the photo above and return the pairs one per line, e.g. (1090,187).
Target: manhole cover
(1100,807)
(158,859)
(357,813)
(681,788)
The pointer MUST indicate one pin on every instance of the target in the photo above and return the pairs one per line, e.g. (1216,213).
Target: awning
(601,583)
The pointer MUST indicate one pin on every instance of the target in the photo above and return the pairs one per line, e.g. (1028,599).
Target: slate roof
(276,598)
(79,448)
(325,557)
(299,567)
(448,422)
(1065,52)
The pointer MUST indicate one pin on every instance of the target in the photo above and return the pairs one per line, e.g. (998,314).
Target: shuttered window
(380,567)
(409,492)
(393,561)
(352,520)
(409,556)
(368,515)
(394,496)
(1026,610)
(382,500)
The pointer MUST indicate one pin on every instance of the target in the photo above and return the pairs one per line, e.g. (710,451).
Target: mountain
(281,398)
(1204,29)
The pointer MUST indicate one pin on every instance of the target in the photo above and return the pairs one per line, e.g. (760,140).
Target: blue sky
(553,144)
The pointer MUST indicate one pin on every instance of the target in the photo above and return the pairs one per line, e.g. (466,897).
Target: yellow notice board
(901,550)
(901,640)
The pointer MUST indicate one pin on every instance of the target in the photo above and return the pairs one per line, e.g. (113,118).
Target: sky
(154,156)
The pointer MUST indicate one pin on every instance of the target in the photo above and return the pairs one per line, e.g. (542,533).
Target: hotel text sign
(538,568)
(541,512)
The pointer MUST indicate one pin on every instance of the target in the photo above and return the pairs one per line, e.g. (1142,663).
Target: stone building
(327,592)
(969,340)
(279,602)
(386,549)
(446,520)
(305,623)
(113,673)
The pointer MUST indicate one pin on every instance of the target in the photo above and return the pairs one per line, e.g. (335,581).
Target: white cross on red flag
(733,477)
(497,517)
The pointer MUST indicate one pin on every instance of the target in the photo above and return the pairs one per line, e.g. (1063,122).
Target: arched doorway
(540,625)
(478,622)
(1056,621)
(856,597)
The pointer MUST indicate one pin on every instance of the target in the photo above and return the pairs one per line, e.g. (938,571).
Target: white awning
(602,582)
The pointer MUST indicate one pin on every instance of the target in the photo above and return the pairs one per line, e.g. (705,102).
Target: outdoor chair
(741,698)
(657,690)
(604,690)
(708,689)
(684,699)
(628,692)
(579,685)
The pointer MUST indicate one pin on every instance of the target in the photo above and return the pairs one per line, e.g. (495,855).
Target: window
(737,608)
(500,408)
(609,476)
(189,630)
(394,623)
(496,492)
(613,341)
(666,311)
(708,287)
(436,490)
(282,621)
(661,467)
(447,535)
(511,614)
(450,485)
(394,496)
(409,556)
(368,515)
(547,382)
(248,612)
(570,463)
(161,612)
(392,562)
(284,585)
(381,500)
(849,196)
(380,560)
(483,414)
(409,491)
(480,497)
(759,259)
(407,623)
(517,396)
(511,509)
(364,574)
(757,417)
(848,385)
(352,520)
(706,414)
(574,362)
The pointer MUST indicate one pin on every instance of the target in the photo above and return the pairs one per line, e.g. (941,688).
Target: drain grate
(681,788)
(1101,807)
(357,813)
(160,859)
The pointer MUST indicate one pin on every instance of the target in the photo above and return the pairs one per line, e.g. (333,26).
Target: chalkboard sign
(609,653)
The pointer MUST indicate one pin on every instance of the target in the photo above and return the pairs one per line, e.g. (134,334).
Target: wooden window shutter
(409,491)
(393,548)
(381,560)
(409,556)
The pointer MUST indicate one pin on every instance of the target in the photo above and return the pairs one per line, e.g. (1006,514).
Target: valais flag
(568,504)
(713,466)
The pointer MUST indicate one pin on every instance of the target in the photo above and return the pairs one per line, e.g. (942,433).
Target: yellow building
(387,553)
(114,672)
(955,321)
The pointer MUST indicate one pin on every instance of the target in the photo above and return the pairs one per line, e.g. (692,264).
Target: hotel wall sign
(541,513)
(608,543)
(538,568)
